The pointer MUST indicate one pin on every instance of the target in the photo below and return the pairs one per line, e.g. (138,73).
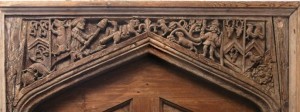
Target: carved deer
(239,26)
(229,27)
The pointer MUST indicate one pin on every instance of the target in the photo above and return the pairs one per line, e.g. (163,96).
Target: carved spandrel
(233,43)
(238,44)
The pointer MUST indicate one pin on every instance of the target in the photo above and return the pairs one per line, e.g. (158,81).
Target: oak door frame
(290,9)
(294,61)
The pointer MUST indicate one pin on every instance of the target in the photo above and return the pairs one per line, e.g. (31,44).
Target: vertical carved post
(50,44)
(244,46)
(222,45)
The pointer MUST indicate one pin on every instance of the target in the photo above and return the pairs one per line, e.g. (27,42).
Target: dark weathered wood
(239,46)
(50,45)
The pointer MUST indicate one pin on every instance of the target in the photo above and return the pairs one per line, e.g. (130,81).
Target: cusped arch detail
(145,44)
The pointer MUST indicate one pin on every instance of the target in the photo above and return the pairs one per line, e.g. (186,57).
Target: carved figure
(185,42)
(212,39)
(79,38)
(60,31)
(101,25)
(112,30)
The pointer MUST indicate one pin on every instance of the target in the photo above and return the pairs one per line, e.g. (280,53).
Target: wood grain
(164,8)
(282,55)
(173,4)
(2,66)
(294,52)
(145,80)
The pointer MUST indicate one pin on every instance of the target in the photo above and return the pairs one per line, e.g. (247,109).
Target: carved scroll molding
(235,53)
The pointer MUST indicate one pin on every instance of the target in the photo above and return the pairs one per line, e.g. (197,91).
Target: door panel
(123,107)
(146,82)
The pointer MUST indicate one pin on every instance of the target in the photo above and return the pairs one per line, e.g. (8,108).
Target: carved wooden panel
(48,53)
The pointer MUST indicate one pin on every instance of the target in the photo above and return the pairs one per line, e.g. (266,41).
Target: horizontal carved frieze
(52,44)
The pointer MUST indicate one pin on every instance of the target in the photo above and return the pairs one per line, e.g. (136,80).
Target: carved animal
(229,27)
(185,42)
(255,59)
(60,41)
(124,32)
(239,27)
(249,31)
(28,77)
(163,26)
(33,73)
(257,32)
(128,29)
